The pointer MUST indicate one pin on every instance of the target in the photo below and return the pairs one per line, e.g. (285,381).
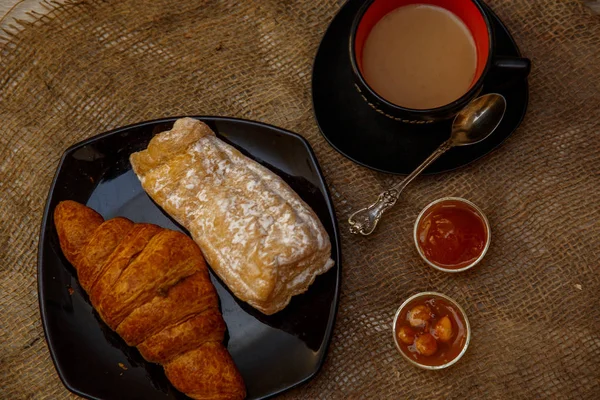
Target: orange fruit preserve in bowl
(431,330)
(452,234)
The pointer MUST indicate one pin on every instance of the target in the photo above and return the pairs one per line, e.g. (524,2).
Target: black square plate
(273,353)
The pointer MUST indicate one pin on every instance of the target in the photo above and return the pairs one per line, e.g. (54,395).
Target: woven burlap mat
(534,303)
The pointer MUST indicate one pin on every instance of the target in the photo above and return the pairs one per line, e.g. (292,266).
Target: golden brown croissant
(152,286)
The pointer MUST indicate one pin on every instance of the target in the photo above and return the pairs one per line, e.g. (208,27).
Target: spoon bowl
(478,120)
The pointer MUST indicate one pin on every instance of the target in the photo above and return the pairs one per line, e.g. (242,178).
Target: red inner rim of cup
(466,10)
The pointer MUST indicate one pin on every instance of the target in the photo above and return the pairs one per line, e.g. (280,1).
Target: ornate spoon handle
(365,220)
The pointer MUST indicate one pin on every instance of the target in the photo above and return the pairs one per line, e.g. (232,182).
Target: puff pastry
(261,239)
(152,286)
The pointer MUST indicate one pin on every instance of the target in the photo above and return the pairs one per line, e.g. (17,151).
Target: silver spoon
(474,123)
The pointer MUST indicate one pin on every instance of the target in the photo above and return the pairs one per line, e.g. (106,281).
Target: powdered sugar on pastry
(256,233)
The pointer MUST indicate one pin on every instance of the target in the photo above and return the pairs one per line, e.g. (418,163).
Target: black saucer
(375,141)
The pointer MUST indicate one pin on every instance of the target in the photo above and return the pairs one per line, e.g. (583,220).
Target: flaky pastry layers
(263,241)
(152,286)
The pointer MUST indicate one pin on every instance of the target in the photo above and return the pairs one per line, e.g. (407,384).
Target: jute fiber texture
(534,303)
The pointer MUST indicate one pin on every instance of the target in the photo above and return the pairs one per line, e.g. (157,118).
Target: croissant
(151,285)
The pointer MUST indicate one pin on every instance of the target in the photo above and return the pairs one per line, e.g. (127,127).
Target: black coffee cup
(492,68)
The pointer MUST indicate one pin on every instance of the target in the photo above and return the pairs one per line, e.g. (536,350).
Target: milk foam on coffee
(420,56)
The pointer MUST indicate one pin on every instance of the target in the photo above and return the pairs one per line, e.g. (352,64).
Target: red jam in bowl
(452,234)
